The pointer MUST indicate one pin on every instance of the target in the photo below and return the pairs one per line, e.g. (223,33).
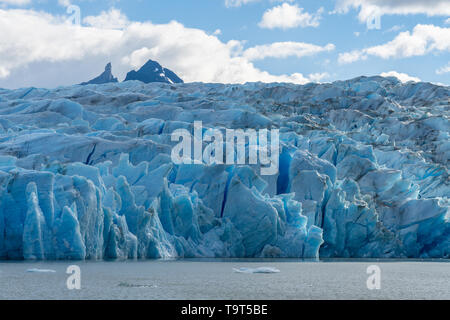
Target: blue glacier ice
(86,172)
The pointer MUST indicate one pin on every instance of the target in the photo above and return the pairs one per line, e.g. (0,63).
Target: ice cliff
(86,173)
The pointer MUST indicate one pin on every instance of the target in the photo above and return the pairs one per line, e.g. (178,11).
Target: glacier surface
(86,172)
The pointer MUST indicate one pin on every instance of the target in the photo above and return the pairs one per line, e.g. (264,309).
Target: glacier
(86,172)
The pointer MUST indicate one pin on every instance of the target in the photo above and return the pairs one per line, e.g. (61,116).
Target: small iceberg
(41,270)
(256,270)
(133,285)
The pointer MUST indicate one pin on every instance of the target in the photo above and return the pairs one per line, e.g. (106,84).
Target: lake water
(215,279)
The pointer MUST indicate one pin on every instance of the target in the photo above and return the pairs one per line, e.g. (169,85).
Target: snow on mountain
(86,172)
(152,71)
(105,77)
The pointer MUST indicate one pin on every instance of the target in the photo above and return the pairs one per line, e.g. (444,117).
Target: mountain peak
(108,67)
(152,71)
(105,77)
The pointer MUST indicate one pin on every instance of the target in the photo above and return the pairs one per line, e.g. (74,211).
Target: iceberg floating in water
(86,172)
(256,270)
(34,270)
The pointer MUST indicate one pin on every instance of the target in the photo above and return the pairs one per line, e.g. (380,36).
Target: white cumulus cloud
(422,40)
(15,2)
(444,69)
(237,3)
(284,50)
(113,19)
(319,76)
(367,8)
(37,48)
(352,56)
(403,77)
(286,16)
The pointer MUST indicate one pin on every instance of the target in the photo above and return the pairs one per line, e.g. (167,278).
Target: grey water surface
(215,279)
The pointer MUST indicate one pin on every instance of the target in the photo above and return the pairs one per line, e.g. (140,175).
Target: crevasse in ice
(86,172)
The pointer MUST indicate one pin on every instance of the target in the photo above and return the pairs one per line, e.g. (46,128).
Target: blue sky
(232,40)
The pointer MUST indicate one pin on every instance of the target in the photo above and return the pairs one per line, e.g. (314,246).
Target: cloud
(395,28)
(403,77)
(64,3)
(352,56)
(368,8)
(38,47)
(444,69)
(447,21)
(318,77)
(284,50)
(28,36)
(113,19)
(15,2)
(287,16)
(4,72)
(239,3)
(422,40)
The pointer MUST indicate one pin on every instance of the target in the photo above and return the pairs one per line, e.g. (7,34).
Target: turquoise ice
(86,173)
